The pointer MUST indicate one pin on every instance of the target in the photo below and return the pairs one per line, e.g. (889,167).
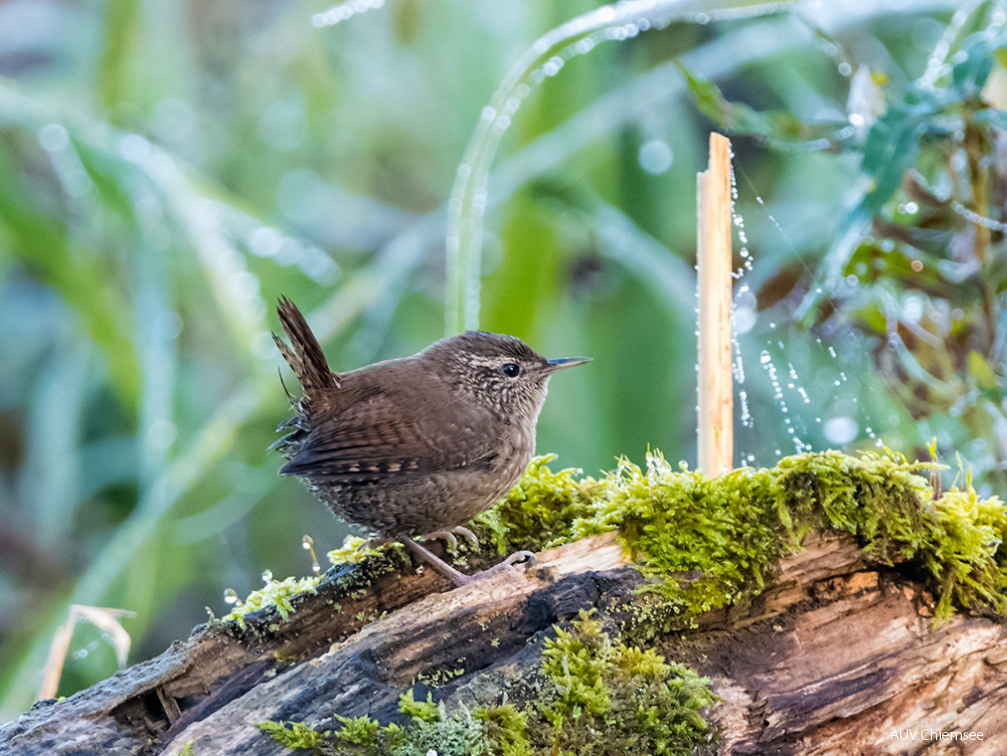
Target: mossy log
(838,656)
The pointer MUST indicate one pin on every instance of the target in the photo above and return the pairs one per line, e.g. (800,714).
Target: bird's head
(502,371)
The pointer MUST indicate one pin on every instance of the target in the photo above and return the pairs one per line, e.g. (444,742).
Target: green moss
(968,562)
(425,711)
(599,699)
(278,593)
(429,728)
(716,540)
(356,551)
(357,730)
(435,678)
(187,748)
(612,699)
(504,730)
(576,661)
(295,735)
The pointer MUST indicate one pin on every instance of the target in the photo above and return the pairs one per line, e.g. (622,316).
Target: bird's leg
(425,555)
(456,577)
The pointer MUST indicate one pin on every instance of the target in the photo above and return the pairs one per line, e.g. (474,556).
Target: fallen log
(848,644)
(838,656)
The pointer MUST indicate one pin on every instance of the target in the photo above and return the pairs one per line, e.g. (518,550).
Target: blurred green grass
(167,170)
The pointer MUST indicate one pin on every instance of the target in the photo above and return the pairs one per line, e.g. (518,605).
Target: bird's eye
(510,370)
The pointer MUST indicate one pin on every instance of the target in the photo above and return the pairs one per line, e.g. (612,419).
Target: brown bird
(420,445)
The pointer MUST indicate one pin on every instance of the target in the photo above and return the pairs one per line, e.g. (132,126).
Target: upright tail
(305,358)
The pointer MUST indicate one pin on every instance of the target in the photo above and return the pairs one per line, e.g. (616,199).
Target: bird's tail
(305,357)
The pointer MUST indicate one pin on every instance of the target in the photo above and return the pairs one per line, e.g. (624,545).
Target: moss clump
(295,735)
(373,562)
(715,540)
(712,541)
(612,699)
(355,550)
(430,727)
(968,562)
(600,699)
(276,593)
(504,729)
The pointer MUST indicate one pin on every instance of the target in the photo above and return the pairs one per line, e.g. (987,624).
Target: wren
(420,445)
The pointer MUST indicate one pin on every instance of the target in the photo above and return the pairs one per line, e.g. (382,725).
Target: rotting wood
(834,658)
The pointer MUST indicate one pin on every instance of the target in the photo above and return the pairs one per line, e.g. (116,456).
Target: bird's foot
(505,566)
(442,535)
(467,534)
(449,537)
(456,577)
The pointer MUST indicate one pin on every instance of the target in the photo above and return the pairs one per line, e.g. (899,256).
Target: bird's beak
(565,362)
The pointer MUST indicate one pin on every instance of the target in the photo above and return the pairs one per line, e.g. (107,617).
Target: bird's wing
(375,440)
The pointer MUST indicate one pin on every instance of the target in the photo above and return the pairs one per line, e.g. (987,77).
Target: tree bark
(839,656)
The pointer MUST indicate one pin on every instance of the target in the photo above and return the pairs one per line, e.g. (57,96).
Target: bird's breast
(517,449)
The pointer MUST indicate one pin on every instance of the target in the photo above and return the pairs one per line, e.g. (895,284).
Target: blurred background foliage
(167,169)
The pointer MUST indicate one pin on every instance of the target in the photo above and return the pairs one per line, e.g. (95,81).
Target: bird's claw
(449,537)
(467,534)
(506,565)
(442,535)
(519,556)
